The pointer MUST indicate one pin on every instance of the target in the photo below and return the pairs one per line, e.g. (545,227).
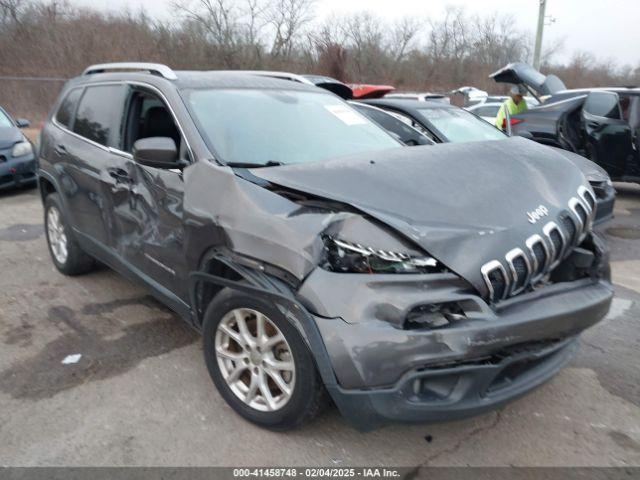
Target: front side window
(148,116)
(457,125)
(64,115)
(258,127)
(5,121)
(100,114)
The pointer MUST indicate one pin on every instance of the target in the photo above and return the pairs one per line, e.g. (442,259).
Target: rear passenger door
(86,153)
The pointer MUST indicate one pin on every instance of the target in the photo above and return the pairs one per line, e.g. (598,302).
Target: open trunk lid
(521,73)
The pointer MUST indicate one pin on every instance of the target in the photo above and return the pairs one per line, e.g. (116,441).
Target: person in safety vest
(514,104)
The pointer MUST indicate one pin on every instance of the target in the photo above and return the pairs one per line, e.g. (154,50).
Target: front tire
(65,252)
(259,362)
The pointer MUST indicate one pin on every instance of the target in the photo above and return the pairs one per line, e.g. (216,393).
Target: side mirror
(23,123)
(158,152)
(602,105)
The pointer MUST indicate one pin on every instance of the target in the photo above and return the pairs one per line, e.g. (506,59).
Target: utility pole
(538,49)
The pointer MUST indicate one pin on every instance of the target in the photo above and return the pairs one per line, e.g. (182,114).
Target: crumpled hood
(9,136)
(465,204)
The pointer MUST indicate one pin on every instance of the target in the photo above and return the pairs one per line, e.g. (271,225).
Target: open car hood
(525,74)
(465,204)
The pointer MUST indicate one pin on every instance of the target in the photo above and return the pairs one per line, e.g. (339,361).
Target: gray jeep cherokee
(315,253)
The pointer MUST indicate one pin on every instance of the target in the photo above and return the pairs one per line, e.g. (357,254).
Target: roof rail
(153,68)
(293,77)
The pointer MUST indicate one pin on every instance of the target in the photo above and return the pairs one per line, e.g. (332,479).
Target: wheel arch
(46,185)
(256,281)
(219,266)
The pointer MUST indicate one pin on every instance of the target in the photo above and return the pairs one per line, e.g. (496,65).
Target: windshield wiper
(270,163)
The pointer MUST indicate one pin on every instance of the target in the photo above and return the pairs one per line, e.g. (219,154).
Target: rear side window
(64,116)
(100,114)
(390,123)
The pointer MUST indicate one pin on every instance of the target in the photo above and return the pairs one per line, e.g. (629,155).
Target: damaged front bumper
(387,372)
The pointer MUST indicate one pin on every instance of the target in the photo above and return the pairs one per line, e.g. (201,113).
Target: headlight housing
(348,257)
(21,148)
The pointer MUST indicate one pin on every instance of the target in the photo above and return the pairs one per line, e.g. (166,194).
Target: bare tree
(54,38)
(11,11)
(403,34)
(288,18)
(219,19)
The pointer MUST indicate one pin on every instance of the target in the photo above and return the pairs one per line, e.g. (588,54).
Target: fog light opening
(434,316)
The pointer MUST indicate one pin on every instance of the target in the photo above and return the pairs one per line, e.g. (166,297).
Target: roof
(230,79)
(199,79)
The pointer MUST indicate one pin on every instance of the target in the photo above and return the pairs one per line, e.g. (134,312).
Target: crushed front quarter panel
(224,210)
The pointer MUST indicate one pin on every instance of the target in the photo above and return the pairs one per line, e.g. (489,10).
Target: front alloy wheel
(259,361)
(255,359)
(56,234)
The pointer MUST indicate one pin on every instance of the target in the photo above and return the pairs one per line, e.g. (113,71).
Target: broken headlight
(347,257)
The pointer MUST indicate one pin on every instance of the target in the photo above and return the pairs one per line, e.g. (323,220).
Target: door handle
(60,150)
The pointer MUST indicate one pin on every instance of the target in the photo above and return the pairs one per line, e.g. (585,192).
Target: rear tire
(280,398)
(65,252)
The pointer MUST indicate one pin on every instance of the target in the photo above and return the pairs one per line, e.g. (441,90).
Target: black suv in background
(318,255)
(602,124)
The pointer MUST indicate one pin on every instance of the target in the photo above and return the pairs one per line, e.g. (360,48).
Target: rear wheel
(65,252)
(259,362)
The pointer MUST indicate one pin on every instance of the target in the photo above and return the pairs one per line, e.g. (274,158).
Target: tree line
(57,40)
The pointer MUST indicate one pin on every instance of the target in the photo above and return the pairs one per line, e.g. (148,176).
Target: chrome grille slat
(539,267)
(486,271)
(511,256)
(574,205)
(589,201)
(556,253)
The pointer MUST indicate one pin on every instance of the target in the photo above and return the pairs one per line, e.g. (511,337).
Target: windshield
(4,120)
(261,127)
(458,125)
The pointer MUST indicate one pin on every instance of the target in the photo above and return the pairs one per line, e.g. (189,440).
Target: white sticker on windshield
(347,115)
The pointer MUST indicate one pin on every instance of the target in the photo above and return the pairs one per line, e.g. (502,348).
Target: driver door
(609,139)
(150,217)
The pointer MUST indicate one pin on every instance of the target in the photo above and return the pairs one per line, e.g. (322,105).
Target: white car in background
(470,96)
(489,110)
(486,111)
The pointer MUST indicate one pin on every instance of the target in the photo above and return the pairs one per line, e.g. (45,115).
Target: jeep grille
(524,266)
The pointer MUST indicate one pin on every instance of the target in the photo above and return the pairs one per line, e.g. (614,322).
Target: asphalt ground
(140,393)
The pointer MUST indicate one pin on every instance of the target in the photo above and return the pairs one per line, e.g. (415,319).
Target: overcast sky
(608,29)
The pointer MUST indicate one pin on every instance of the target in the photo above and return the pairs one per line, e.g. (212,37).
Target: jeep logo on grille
(537,214)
